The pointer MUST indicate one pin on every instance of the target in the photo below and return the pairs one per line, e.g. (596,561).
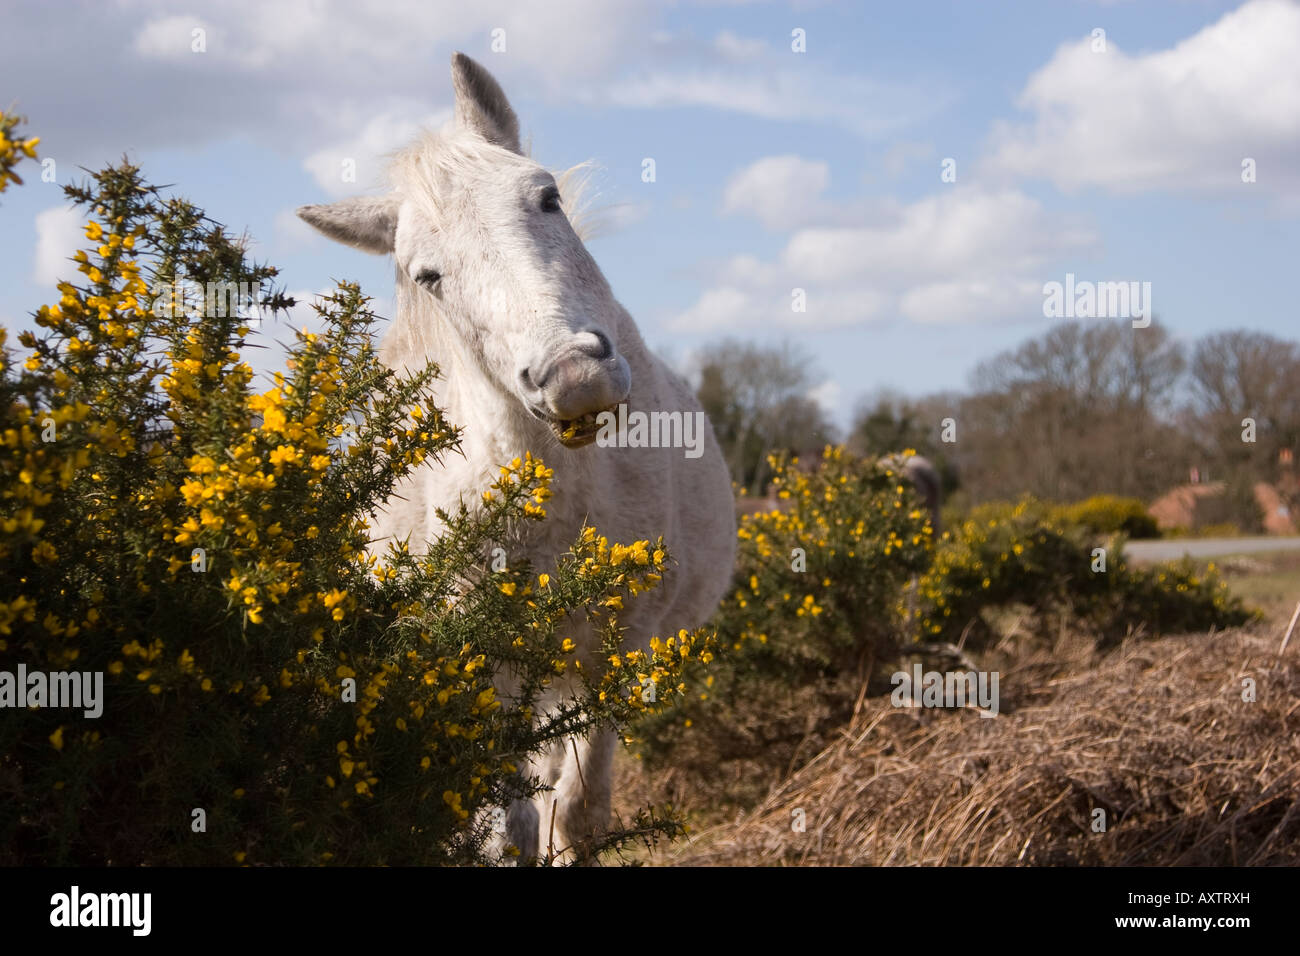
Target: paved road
(1206,547)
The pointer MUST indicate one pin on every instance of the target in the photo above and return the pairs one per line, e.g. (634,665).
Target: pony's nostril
(601,348)
(526,379)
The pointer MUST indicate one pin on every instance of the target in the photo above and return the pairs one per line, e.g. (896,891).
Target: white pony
(495,285)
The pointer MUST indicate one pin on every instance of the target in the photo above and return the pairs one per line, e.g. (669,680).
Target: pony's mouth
(578,432)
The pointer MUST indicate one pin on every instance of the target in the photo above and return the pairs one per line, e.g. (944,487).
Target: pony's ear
(368,223)
(481,107)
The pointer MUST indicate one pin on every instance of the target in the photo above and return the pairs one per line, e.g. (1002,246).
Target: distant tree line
(757,398)
(1086,408)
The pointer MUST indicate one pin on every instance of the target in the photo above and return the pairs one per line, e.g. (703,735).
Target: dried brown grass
(1155,733)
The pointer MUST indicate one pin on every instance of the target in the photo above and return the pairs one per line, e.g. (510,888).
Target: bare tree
(1074,412)
(757,398)
(1242,375)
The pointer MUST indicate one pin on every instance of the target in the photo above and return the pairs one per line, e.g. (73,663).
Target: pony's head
(481,241)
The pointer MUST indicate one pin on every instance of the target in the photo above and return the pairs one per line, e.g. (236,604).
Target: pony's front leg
(580,802)
(522,828)
(512,826)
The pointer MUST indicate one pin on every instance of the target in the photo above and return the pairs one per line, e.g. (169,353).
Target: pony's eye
(551,200)
(429,278)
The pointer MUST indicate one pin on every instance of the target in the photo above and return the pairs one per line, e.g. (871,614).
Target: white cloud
(962,255)
(290,230)
(829,395)
(173,38)
(252,35)
(721,308)
(958,230)
(771,304)
(365,150)
(786,192)
(308,78)
(860,104)
(1171,120)
(59,233)
(971,300)
(296,77)
(739,48)
(778,191)
(598,221)
(904,154)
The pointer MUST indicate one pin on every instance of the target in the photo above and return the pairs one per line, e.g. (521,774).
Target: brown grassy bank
(1154,733)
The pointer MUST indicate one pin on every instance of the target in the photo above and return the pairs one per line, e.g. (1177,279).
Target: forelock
(420,171)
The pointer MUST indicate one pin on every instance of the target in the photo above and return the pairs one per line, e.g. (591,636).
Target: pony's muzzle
(588,376)
(573,387)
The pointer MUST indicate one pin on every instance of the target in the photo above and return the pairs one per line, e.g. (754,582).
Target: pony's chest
(464,477)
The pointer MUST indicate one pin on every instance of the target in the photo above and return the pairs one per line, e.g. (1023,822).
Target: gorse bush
(1024,556)
(813,611)
(1001,555)
(1170,598)
(1111,514)
(801,643)
(272,692)
(13,149)
(815,584)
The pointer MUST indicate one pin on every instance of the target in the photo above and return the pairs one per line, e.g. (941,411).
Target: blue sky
(775,169)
